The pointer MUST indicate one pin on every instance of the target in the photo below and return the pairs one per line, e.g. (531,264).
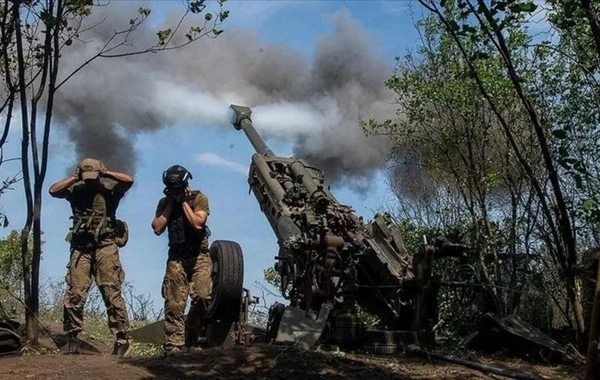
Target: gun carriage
(331,263)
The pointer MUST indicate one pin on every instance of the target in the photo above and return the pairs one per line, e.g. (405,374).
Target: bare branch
(208,29)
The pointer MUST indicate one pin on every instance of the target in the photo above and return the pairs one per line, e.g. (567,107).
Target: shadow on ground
(79,346)
(277,362)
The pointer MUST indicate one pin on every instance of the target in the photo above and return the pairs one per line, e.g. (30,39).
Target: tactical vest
(181,233)
(94,214)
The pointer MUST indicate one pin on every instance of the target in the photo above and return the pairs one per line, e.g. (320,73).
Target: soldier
(94,193)
(184,213)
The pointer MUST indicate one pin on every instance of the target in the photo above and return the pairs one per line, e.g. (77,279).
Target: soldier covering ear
(94,194)
(183,213)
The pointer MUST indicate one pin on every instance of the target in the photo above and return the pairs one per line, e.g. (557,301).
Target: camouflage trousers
(186,275)
(104,266)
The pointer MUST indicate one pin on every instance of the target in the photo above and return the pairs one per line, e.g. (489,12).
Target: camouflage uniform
(188,272)
(102,263)
(94,253)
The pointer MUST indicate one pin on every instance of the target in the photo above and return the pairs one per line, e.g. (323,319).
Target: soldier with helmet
(184,213)
(94,193)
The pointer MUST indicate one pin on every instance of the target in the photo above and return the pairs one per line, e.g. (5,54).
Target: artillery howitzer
(331,264)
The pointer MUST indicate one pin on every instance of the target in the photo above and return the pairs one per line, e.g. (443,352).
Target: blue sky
(218,157)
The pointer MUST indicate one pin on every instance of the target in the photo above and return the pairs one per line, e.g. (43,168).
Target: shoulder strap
(108,184)
(192,200)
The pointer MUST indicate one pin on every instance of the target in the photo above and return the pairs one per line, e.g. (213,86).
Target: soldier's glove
(167,193)
(176,197)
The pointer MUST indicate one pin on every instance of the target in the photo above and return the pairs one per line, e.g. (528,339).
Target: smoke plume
(315,105)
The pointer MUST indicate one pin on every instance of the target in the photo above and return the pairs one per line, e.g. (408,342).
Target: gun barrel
(239,116)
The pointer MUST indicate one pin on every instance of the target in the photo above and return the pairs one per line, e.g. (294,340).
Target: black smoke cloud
(316,105)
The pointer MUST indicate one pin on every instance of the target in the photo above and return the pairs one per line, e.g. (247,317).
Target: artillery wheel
(227,281)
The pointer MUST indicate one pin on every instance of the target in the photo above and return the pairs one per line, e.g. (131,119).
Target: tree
(576,114)
(6,106)
(34,35)
(508,113)
(11,272)
(491,24)
(453,170)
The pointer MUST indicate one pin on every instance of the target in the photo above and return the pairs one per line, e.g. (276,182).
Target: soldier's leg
(174,292)
(109,278)
(79,280)
(201,287)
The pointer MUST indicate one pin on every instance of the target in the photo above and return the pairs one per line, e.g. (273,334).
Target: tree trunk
(575,303)
(30,322)
(35,262)
(592,370)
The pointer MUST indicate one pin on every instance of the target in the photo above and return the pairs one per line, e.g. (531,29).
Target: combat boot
(72,344)
(122,347)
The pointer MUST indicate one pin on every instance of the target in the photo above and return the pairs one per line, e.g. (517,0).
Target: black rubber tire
(10,341)
(228,281)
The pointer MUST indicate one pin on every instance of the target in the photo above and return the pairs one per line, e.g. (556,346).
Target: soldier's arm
(162,215)
(124,181)
(197,216)
(60,189)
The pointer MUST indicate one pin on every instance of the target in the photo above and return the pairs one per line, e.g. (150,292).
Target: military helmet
(176,176)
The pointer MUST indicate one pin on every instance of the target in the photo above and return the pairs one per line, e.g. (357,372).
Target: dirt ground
(258,362)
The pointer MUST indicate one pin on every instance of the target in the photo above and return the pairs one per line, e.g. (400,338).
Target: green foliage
(147,349)
(197,6)
(569,94)
(96,329)
(11,270)
(455,168)
(77,7)
(331,349)
(163,36)
(11,274)
(10,259)
(369,319)
(559,73)
(272,277)
(413,234)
